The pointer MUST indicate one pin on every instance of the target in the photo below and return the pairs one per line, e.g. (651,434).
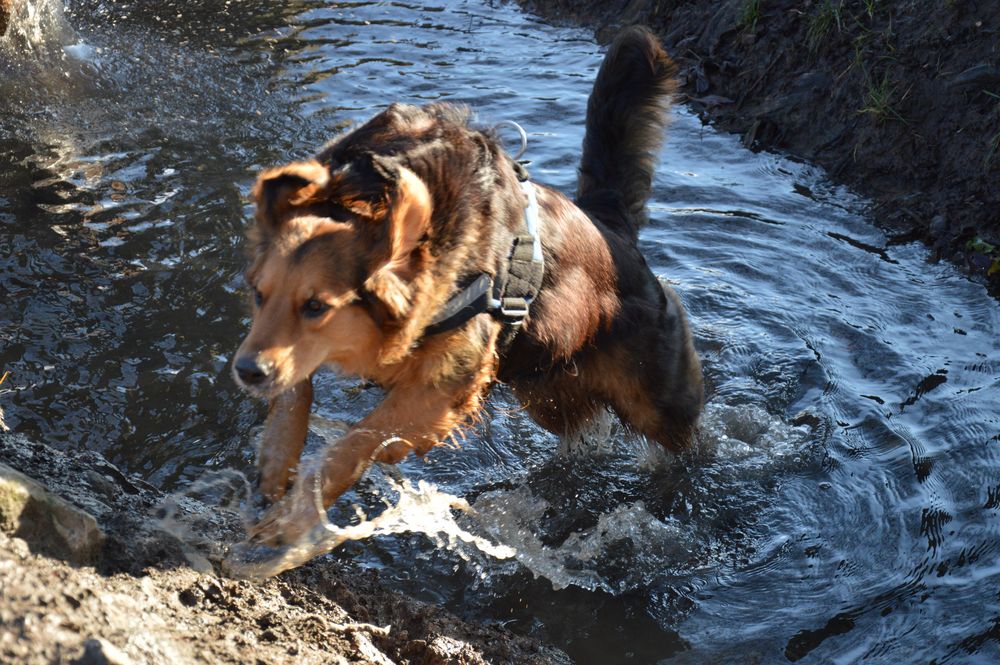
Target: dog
(414,252)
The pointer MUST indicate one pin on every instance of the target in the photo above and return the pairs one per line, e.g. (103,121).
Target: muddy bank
(899,100)
(132,596)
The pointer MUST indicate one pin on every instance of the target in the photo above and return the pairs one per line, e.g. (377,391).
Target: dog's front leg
(283,439)
(416,417)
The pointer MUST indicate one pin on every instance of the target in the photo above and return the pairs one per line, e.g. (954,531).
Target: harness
(518,280)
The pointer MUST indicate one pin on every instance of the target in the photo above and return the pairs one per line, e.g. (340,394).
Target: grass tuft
(880,99)
(821,23)
(750,14)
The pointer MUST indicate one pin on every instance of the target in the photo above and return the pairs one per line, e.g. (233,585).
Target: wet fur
(384,223)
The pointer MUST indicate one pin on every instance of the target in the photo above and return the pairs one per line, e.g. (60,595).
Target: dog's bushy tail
(626,118)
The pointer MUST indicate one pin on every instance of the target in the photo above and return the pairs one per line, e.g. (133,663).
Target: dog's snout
(251,370)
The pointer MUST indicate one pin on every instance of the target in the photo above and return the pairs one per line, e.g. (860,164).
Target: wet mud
(899,100)
(141,601)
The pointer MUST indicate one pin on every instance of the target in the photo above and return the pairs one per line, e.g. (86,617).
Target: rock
(48,523)
(939,226)
(99,652)
(806,418)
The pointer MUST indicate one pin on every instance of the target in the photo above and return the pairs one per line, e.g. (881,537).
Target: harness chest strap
(517,283)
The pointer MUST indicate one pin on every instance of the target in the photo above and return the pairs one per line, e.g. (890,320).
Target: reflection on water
(842,502)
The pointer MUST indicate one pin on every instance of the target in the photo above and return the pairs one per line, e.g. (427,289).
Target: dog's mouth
(266,393)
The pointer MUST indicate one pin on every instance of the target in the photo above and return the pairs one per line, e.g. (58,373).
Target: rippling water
(842,502)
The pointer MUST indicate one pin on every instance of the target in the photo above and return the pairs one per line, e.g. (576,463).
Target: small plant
(879,100)
(991,152)
(750,14)
(987,253)
(871,6)
(994,143)
(821,22)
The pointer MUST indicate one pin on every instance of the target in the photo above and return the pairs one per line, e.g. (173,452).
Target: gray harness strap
(519,281)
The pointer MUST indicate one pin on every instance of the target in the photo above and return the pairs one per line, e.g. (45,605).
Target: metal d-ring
(520,130)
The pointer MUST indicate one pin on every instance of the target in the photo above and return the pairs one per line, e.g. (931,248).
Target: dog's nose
(251,371)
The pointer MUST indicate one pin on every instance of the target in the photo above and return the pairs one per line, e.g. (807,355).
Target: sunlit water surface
(841,504)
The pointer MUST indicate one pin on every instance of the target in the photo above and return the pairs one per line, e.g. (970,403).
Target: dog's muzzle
(253,372)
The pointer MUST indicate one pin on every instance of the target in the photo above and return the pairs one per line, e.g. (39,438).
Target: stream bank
(899,100)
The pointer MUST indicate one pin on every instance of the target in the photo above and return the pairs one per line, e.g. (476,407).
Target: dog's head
(334,254)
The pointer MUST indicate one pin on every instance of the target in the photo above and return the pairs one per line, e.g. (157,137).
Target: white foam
(513,517)
(747,434)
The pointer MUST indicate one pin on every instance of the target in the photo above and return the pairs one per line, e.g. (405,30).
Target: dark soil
(142,602)
(900,100)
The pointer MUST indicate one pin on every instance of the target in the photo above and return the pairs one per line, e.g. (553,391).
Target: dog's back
(626,117)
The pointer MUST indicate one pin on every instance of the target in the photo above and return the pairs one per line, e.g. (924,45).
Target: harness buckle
(515,309)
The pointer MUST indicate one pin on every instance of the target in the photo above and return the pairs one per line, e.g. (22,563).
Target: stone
(49,524)
(100,652)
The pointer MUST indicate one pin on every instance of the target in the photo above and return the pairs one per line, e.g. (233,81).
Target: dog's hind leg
(558,401)
(654,383)
(283,439)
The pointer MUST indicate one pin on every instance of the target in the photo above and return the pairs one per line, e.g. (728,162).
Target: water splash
(418,509)
(748,434)
(584,559)
(207,517)
(38,28)
(210,519)
(627,547)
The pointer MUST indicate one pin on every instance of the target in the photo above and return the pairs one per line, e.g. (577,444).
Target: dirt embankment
(131,595)
(900,100)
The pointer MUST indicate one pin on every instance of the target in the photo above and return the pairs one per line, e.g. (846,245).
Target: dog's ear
(397,236)
(281,189)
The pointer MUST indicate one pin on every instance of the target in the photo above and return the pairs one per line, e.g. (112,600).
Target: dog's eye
(258,298)
(313,308)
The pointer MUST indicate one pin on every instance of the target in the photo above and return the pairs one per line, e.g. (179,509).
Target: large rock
(49,524)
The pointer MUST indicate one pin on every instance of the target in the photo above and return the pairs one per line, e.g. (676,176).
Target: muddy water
(842,502)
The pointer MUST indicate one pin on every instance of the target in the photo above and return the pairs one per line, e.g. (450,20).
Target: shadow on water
(842,502)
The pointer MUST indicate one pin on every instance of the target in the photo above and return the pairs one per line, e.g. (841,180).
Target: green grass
(994,143)
(991,151)
(822,22)
(880,99)
(750,14)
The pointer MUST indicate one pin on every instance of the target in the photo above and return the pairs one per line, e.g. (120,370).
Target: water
(842,501)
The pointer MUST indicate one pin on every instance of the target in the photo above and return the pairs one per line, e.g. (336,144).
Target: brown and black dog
(356,252)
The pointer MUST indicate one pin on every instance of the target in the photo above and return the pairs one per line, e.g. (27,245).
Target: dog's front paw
(287,521)
(273,479)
